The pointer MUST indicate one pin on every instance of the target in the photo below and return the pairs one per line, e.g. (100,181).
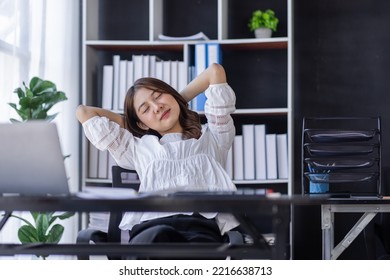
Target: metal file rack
(341,157)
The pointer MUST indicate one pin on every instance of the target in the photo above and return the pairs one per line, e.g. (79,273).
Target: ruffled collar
(171,137)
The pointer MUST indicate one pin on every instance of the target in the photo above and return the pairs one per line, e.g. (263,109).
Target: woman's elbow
(217,74)
(83,113)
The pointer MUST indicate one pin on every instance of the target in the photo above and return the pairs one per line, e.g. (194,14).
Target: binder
(200,66)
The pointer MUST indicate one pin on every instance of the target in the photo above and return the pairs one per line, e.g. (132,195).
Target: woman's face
(157,111)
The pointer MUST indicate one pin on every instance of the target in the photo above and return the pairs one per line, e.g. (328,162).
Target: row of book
(100,164)
(257,155)
(254,155)
(119,76)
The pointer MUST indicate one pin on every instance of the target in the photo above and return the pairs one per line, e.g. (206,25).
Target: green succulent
(265,19)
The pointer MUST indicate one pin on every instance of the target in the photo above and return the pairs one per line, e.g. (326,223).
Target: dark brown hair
(188,119)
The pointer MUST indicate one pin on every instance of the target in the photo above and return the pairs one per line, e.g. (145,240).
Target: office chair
(113,234)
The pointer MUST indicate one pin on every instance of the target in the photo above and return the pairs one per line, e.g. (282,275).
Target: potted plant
(35,100)
(263,23)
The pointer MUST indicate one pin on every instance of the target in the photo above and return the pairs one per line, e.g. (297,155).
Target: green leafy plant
(42,230)
(35,100)
(263,19)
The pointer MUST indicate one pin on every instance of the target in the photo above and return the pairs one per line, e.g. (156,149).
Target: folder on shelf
(271,155)
(260,152)
(166,71)
(248,134)
(182,75)
(103,165)
(137,66)
(213,53)
(200,66)
(174,74)
(108,72)
(282,155)
(93,161)
(122,84)
(238,158)
(115,93)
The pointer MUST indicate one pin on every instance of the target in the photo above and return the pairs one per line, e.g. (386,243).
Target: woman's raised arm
(84,113)
(214,74)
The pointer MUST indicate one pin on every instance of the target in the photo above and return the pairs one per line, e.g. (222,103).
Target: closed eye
(146,109)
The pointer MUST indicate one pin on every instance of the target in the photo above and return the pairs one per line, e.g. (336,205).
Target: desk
(278,208)
(370,207)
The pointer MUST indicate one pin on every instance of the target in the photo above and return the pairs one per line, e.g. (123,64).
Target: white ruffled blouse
(170,163)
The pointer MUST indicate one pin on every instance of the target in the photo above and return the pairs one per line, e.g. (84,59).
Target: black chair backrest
(120,180)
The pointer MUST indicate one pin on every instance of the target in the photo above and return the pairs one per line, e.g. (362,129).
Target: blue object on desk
(319,187)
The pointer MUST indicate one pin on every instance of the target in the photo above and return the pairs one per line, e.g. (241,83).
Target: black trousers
(177,228)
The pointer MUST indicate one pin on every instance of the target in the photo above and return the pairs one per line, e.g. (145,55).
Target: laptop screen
(31,161)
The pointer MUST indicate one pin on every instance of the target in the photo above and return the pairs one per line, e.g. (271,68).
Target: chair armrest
(88,235)
(235,237)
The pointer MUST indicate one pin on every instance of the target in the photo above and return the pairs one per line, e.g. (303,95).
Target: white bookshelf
(128,38)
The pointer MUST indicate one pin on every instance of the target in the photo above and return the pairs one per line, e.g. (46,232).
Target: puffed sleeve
(220,103)
(108,135)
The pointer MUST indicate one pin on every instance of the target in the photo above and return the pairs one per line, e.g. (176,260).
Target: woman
(162,140)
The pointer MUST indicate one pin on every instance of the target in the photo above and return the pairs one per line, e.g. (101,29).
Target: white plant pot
(263,33)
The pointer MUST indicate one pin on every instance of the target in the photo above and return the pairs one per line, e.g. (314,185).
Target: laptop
(31,161)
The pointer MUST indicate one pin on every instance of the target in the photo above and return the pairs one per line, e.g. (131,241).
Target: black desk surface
(238,204)
(180,202)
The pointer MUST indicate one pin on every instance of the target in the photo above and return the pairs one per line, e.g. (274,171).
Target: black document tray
(327,136)
(339,150)
(339,163)
(341,177)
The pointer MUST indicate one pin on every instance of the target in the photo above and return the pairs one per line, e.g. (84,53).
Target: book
(182,76)
(115,93)
(122,84)
(102,164)
(129,75)
(260,153)
(146,66)
(166,71)
(152,65)
(197,36)
(108,72)
(248,135)
(271,156)
(213,53)
(174,74)
(159,70)
(200,66)
(281,147)
(238,158)
(93,160)
(137,66)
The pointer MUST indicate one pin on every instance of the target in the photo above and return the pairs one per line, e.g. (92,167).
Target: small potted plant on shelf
(263,23)
(35,100)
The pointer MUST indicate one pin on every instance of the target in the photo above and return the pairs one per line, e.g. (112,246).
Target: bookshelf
(259,70)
